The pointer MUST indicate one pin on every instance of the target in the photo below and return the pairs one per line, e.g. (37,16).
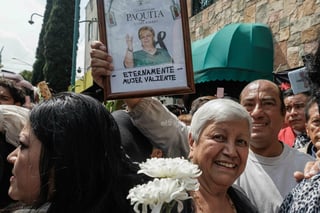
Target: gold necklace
(198,207)
(232,204)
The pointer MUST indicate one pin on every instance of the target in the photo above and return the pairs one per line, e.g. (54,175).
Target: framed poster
(298,80)
(150,44)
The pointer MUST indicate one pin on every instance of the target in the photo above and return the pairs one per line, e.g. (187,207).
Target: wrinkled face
(313,124)
(262,101)
(295,116)
(146,38)
(25,182)
(5,96)
(221,152)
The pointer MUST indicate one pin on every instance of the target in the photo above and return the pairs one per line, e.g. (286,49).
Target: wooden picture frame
(150,44)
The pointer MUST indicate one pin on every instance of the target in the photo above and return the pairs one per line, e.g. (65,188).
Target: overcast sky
(19,39)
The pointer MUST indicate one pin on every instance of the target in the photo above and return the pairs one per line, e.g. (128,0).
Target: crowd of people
(272,168)
(68,153)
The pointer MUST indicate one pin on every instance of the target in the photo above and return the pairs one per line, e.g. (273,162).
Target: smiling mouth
(224,164)
(259,124)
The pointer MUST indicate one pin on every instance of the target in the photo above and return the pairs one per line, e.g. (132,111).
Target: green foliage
(38,65)
(58,42)
(27,75)
(54,53)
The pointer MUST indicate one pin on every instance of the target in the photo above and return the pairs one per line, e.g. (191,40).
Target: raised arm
(128,58)
(160,126)
(101,62)
(152,118)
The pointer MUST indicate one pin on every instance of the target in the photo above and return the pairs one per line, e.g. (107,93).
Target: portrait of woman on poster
(149,55)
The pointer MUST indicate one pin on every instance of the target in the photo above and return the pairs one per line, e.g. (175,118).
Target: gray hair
(12,120)
(218,110)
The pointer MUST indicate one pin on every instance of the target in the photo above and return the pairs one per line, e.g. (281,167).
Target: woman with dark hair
(12,120)
(11,93)
(70,159)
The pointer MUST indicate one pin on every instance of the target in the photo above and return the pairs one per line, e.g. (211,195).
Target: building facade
(91,34)
(294,23)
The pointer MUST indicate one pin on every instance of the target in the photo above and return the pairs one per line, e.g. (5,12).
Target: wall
(294,24)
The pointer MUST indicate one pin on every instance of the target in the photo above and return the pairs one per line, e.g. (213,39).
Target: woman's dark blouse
(238,197)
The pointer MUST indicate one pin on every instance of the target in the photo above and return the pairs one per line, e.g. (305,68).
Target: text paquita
(144,15)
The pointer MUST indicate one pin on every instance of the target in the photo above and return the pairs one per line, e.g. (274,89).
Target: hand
(311,168)
(101,62)
(129,41)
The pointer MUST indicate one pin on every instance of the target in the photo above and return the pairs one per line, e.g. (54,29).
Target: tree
(57,44)
(38,65)
(27,75)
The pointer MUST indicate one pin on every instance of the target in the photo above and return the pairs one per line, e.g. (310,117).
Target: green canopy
(238,52)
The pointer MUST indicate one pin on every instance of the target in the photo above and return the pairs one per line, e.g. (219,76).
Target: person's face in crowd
(221,152)
(146,38)
(313,124)
(5,96)
(295,116)
(262,101)
(25,182)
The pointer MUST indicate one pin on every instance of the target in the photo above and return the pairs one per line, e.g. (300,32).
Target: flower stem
(167,207)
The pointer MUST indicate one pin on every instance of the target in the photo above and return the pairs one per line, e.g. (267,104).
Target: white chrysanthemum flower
(169,168)
(178,168)
(157,192)
(177,177)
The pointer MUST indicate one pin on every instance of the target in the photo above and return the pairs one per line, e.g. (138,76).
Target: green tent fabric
(238,52)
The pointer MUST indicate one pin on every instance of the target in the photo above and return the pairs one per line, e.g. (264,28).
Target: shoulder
(162,51)
(304,197)
(297,155)
(237,191)
(287,136)
(306,147)
(241,200)
(42,209)
(286,130)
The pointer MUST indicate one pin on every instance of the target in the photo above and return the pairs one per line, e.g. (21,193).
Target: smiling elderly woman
(219,143)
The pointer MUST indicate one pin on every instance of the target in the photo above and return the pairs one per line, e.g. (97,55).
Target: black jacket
(238,197)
